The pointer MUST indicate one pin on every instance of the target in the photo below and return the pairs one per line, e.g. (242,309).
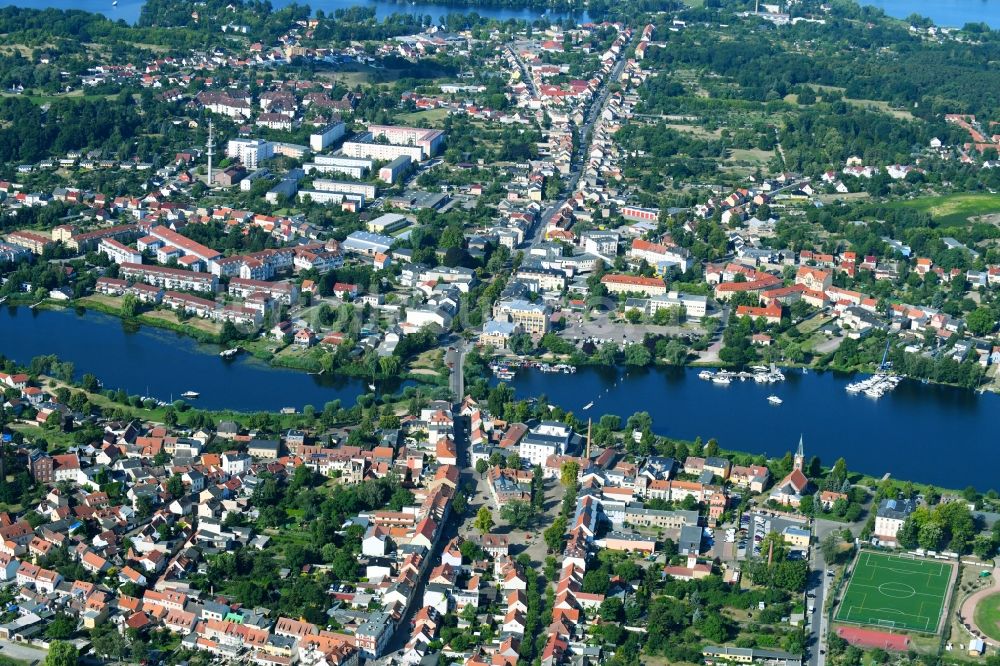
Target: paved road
(586,136)
(23,652)
(818,585)
(454,356)
(525,76)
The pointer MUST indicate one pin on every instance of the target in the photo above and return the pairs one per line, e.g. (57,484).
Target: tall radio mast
(210,152)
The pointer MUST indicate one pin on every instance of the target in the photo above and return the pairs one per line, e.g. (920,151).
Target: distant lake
(945,13)
(128,10)
(163,364)
(921,432)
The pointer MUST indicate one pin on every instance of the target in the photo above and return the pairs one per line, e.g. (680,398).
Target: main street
(818,585)
(586,137)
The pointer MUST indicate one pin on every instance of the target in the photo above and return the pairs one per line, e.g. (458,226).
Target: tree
(175,486)
(637,355)
(61,654)
(568,473)
(482,465)
(553,534)
(984,547)
(518,513)
(909,533)
(130,306)
(830,547)
(484,520)
(776,541)
(980,321)
(62,626)
(931,536)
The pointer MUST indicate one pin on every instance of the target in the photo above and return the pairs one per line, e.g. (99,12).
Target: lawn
(988,616)
(953,209)
(421,118)
(891,591)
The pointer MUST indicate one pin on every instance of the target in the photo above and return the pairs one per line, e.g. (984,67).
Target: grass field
(430,117)
(988,616)
(955,208)
(895,592)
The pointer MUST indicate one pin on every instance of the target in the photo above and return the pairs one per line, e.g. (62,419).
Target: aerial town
(494,338)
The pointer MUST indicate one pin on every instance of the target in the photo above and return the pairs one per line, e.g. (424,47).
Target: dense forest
(31,132)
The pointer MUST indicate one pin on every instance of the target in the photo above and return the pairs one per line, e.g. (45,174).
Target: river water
(164,364)
(927,433)
(128,10)
(945,13)
(954,13)
(934,434)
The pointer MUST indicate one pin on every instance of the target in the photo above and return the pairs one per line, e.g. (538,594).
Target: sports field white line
(876,588)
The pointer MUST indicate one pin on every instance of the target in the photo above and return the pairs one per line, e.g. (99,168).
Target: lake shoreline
(163,363)
(204,338)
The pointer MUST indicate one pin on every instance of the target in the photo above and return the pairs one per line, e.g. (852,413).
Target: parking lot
(751,533)
(603,328)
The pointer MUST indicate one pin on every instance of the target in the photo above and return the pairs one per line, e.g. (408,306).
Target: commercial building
(532,317)
(548,438)
(428,140)
(325,137)
(394,169)
(282,292)
(695,306)
(119,253)
(387,223)
(363,242)
(319,196)
(624,284)
(349,166)
(890,516)
(364,189)
(185,244)
(250,152)
(170,278)
(364,146)
(13,253)
(30,240)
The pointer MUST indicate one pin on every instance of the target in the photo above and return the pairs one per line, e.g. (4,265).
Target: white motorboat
(774,400)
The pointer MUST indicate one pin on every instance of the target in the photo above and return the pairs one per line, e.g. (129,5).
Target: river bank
(163,364)
(274,353)
(903,432)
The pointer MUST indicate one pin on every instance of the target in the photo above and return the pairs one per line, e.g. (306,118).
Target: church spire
(800,456)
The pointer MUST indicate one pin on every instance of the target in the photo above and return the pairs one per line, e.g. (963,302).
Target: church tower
(800,457)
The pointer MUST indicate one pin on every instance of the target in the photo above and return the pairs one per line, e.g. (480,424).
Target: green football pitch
(894,592)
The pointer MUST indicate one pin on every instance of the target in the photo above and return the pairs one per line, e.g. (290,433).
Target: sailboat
(371,387)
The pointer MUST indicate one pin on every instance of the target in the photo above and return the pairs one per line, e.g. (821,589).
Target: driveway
(27,653)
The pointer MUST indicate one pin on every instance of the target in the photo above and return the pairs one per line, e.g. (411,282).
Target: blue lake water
(128,10)
(164,364)
(945,13)
(933,434)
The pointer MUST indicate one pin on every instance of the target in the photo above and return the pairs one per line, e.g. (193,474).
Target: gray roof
(896,508)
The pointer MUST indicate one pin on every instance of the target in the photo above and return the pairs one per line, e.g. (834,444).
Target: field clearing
(750,155)
(194,322)
(697,131)
(955,208)
(419,118)
(890,591)
(875,104)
